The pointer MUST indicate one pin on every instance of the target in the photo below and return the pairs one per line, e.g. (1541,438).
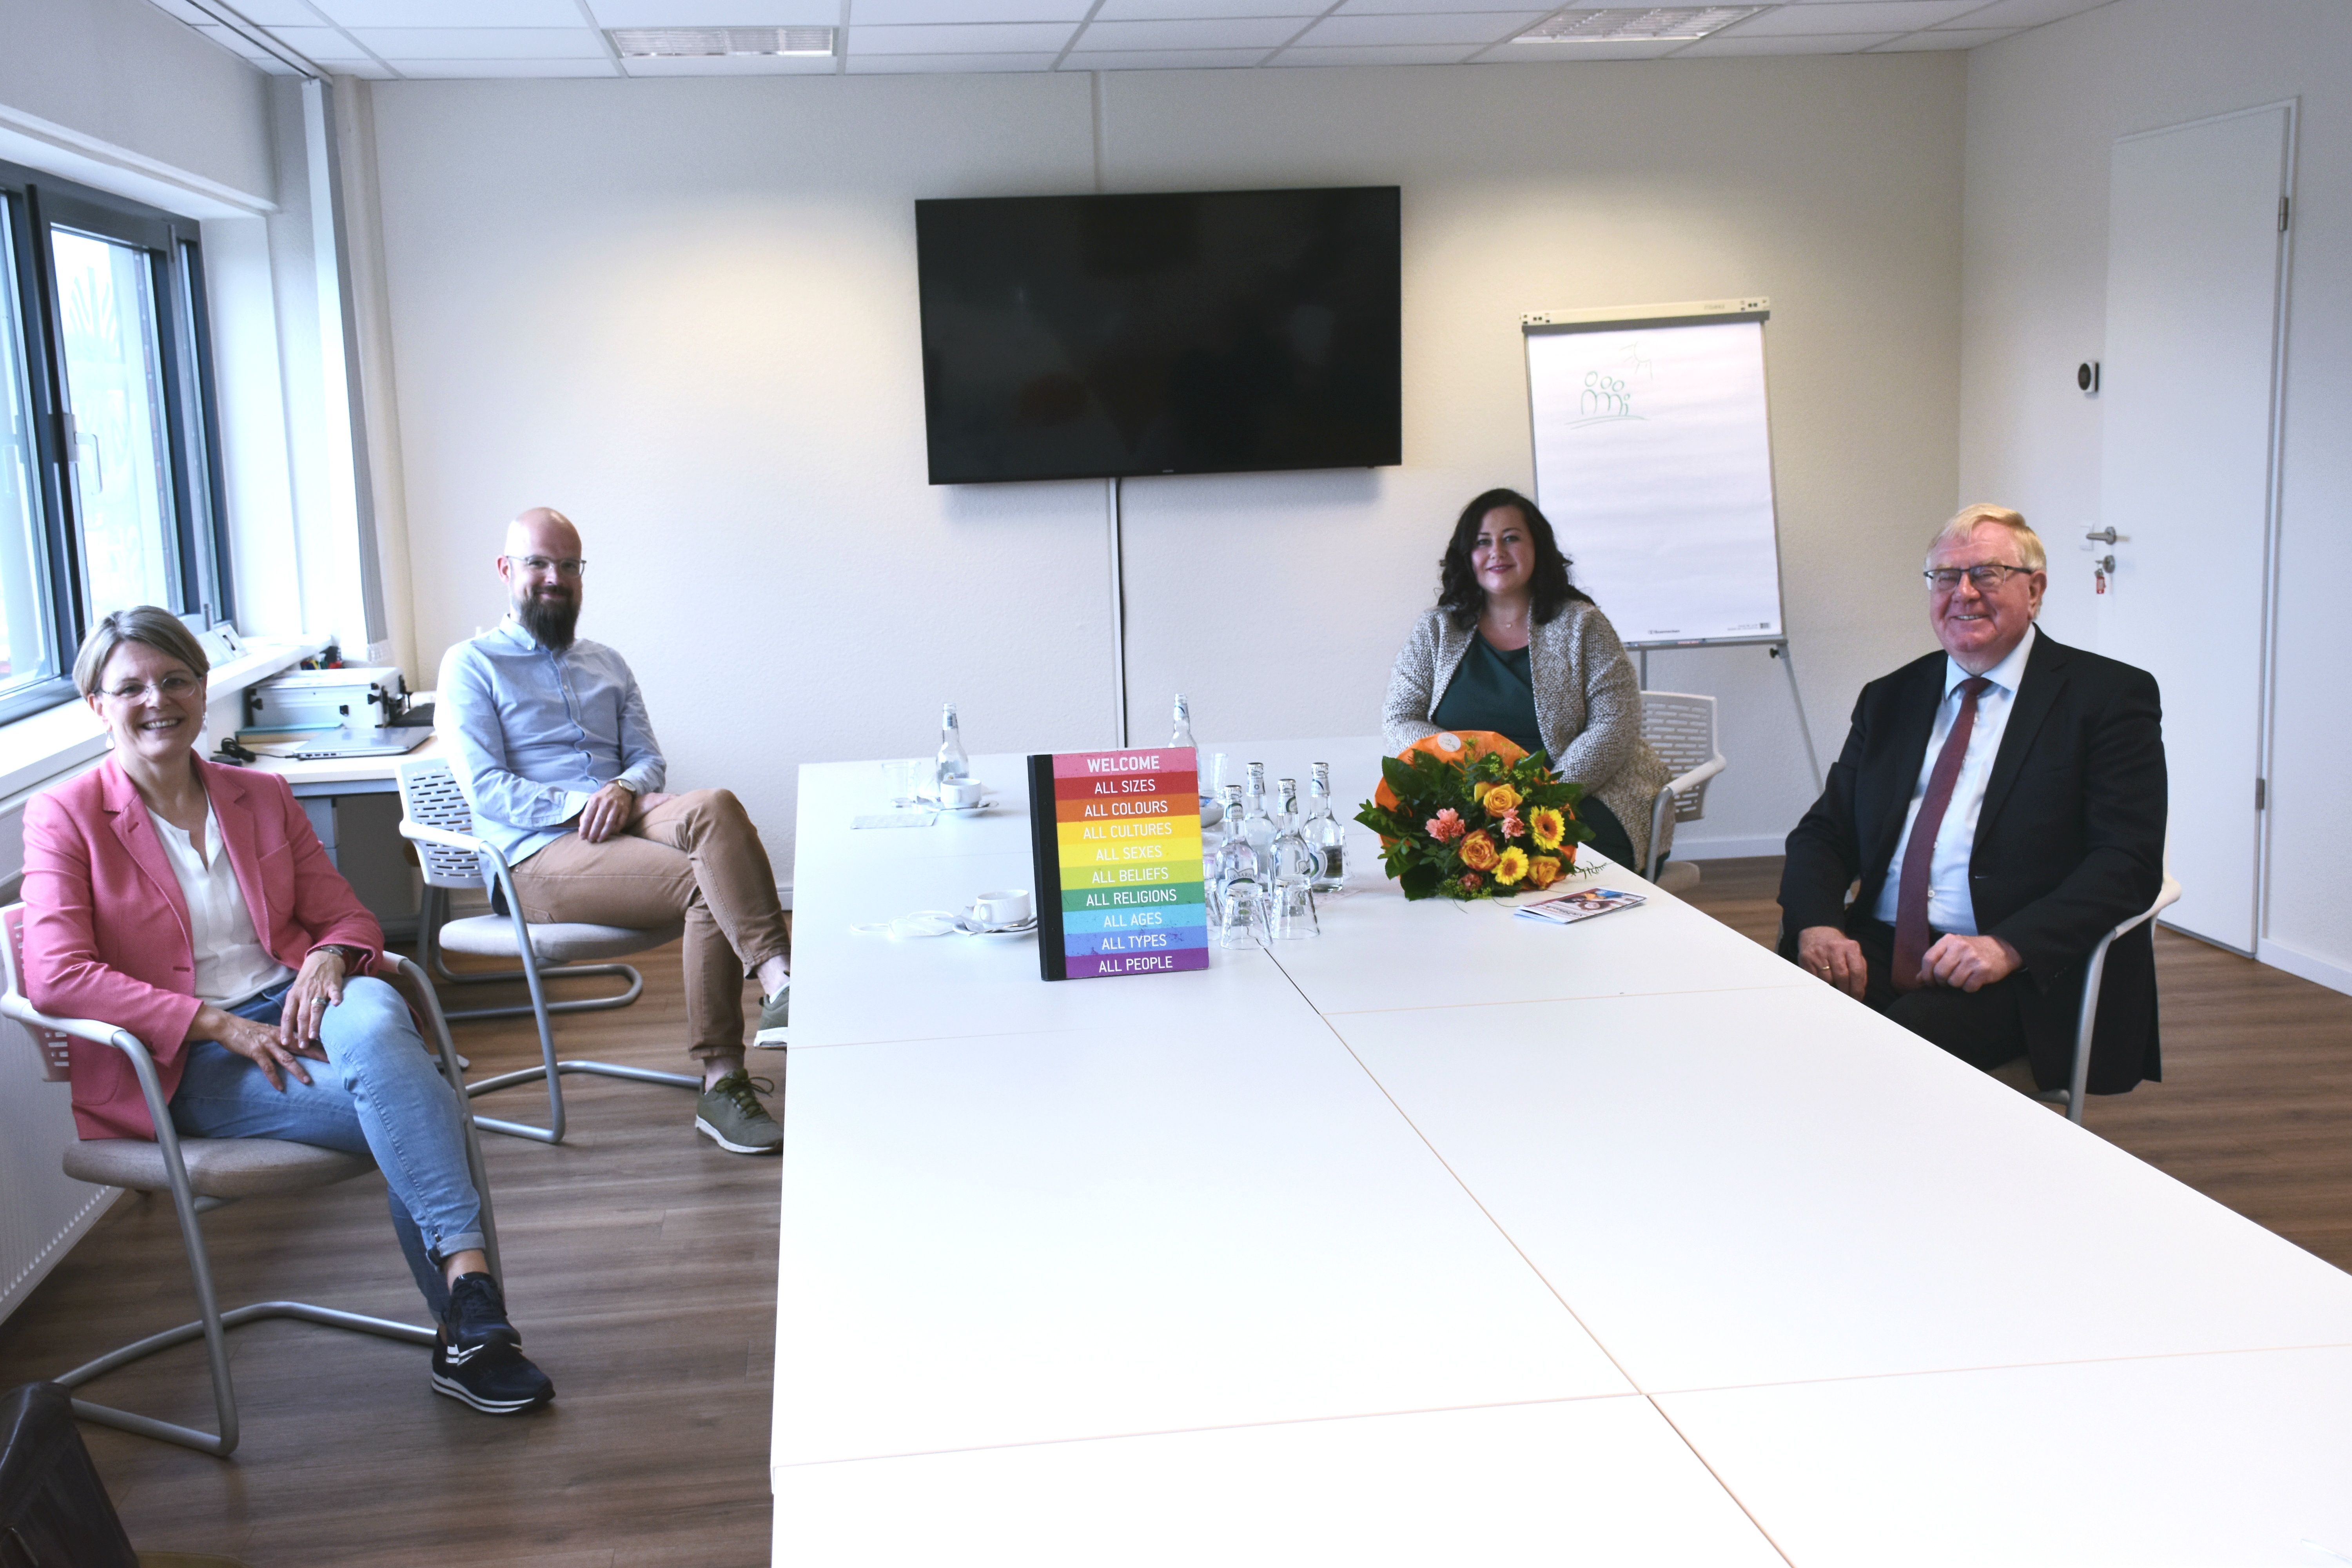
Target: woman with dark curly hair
(1513,647)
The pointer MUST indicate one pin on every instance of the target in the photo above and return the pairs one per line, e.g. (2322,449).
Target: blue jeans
(378,1093)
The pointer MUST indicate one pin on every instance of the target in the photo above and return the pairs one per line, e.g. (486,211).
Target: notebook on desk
(328,745)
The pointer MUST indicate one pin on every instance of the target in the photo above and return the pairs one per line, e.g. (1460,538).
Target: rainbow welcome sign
(1119,833)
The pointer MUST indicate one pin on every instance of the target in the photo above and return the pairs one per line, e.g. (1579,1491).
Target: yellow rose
(1549,826)
(1499,799)
(1479,852)
(1512,867)
(1543,871)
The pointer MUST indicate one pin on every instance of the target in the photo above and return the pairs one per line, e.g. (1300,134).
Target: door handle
(2103,535)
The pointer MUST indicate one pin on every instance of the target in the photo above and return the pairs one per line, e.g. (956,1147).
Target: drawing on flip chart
(1654,461)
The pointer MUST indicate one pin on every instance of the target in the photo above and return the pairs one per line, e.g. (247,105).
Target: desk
(1447,1237)
(373,858)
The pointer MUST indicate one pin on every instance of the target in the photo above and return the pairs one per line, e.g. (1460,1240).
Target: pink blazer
(106,926)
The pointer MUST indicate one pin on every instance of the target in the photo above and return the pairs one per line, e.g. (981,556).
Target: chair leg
(554,1070)
(211,1325)
(432,911)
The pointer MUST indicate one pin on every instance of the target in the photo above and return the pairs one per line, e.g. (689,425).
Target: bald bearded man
(560,761)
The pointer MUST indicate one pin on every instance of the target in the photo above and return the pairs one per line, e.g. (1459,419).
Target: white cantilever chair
(1681,729)
(203,1173)
(440,820)
(2074,1096)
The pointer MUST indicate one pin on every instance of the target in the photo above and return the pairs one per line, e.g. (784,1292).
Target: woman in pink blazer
(192,905)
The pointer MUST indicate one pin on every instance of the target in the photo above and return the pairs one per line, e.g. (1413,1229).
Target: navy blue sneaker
(477,1357)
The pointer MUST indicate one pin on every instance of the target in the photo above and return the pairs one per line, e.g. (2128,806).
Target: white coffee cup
(1006,907)
(963,795)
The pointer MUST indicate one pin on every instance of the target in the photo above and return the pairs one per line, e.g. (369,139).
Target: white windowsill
(35,751)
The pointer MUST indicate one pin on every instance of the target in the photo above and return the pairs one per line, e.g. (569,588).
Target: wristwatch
(352,957)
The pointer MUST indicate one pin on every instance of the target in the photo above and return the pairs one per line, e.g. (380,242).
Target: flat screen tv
(1204,332)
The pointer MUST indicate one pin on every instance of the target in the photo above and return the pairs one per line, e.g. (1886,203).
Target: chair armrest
(90,1029)
(1698,776)
(447,839)
(2168,895)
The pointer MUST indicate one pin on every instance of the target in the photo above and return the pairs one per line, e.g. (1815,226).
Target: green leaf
(1419,881)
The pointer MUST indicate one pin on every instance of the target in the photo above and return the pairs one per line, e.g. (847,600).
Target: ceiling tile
(2027,13)
(279,13)
(1163,10)
(482,43)
(1163,60)
(1219,32)
(1731,44)
(452,13)
(1848,16)
(1376,54)
(901,12)
(316,43)
(1459,27)
(882,65)
(460,71)
(977,37)
(716,12)
(1945,38)
(732,64)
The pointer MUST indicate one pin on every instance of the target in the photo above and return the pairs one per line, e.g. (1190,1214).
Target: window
(110,477)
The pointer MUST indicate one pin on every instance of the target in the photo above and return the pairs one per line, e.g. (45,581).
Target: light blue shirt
(537,732)
(1951,908)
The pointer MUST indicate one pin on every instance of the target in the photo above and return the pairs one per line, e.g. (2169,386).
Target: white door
(2196,253)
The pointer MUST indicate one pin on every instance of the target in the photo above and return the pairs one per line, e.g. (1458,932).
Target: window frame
(33,203)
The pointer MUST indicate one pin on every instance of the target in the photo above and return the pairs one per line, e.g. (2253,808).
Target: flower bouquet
(1471,816)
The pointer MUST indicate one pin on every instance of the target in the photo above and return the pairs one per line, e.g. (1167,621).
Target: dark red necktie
(1911,935)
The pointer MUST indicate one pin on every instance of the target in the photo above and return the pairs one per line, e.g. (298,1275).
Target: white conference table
(1451,1236)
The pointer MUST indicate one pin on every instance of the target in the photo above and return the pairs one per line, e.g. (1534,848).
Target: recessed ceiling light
(709,42)
(1635,23)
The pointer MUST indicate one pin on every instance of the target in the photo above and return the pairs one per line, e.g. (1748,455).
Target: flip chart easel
(1654,461)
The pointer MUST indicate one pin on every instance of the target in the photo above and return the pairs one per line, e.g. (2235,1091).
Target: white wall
(2043,111)
(685,312)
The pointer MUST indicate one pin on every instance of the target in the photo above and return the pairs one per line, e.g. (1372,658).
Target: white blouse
(232,966)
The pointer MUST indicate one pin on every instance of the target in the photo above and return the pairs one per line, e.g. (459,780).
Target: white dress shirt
(232,966)
(1950,906)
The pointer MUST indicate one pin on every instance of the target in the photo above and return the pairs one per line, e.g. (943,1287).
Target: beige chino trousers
(696,857)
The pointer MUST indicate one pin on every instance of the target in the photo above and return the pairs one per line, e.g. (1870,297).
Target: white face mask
(907,927)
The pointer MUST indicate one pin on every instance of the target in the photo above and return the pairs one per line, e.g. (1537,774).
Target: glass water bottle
(1290,900)
(1236,877)
(1183,735)
(954,767)
(1257,826)
(1324,832)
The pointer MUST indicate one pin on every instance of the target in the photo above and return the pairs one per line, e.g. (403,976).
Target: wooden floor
(642,1265)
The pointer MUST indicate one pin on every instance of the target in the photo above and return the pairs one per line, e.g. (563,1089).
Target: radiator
(43,1212)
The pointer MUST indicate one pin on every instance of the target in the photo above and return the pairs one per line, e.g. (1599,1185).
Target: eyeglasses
(563,566)
(1987,578)
(172,688)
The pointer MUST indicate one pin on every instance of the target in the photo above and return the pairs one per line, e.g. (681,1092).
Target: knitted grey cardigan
(1588,708)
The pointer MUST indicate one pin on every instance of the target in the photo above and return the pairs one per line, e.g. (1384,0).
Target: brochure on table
(1119,833)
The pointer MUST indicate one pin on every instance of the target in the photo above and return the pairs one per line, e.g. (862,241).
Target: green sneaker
(774,1014)
(730,1115)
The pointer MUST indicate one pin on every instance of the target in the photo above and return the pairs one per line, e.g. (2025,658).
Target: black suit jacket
(2069,844)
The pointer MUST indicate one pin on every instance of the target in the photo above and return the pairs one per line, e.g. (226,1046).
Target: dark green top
(1492,690)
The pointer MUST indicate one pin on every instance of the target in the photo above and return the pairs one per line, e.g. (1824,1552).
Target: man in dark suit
(2002,806)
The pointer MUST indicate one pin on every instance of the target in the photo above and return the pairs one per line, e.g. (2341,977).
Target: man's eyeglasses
(1987,578)
(172,688)
(563,566)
